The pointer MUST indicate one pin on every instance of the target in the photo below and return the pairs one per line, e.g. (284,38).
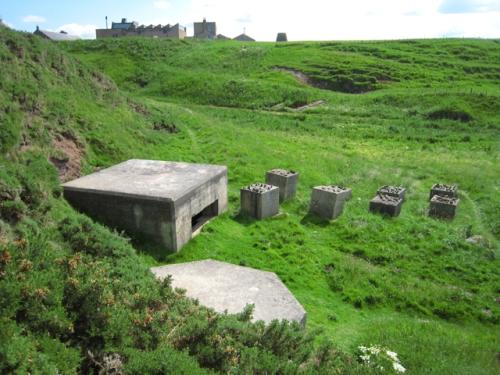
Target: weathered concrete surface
(285,180)
(444,191)
(386,204)
(223,286)
(393,191)
(328,201)
(152,200)
(443,207)
(260,200)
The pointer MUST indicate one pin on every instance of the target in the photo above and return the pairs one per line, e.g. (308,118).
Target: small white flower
(365,358)
(392,355)
(398,367)
(375,350)
(362,348)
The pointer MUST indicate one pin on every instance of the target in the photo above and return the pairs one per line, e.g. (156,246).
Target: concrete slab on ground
(223,286)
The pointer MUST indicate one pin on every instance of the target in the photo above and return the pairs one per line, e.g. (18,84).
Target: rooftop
(148,179)
(60,36)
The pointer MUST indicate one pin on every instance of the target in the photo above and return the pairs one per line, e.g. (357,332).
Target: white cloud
(161,4)
(340,20)
(83,31)
(34,19)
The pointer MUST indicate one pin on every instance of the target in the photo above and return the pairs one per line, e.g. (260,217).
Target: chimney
(37,28)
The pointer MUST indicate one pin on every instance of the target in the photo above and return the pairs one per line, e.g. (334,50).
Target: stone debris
(332,188)
(447,200)
(282,172)
(259,188)
(395,191)
(388,199)
(444,191)
(386,204)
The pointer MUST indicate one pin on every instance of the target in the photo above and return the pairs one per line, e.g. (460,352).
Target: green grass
(411,283)
(429,113)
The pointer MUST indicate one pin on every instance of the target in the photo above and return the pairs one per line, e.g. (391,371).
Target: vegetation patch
(450,114)
(77,297)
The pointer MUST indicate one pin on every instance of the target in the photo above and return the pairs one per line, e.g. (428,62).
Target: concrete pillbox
(443,207)
(444,191)
(260,200)
(386,204)
(155,201)
(327,202)
(393,191)
(285,180)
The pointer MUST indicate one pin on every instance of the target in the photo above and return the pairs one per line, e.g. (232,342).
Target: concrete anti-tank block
(444,191)
(443,207)
(227,287)
(260,200)
(393,191)
(158,201)
(285,180)
(386,204)
(327,202)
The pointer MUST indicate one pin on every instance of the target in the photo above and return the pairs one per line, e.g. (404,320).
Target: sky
(263,19)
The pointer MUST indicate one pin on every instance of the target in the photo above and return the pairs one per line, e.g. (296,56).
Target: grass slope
(429,114)
(74,296)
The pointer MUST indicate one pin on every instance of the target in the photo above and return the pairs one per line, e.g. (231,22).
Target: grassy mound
(74,296)
(412,284)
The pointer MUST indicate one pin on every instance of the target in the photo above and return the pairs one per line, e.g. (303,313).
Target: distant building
(205,30)
(124,25)
(222,37)
(282,37)
(60,36)
(244,38)
(127,29)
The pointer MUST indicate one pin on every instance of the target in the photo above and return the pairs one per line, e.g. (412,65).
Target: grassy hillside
(412,113)
(74,296)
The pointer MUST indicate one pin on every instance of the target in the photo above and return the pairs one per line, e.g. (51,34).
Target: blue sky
(262,19)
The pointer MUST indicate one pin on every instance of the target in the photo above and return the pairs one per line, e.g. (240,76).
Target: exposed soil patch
(301,77)
(166,127)
(69,156)
(138,108)
(336,80)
